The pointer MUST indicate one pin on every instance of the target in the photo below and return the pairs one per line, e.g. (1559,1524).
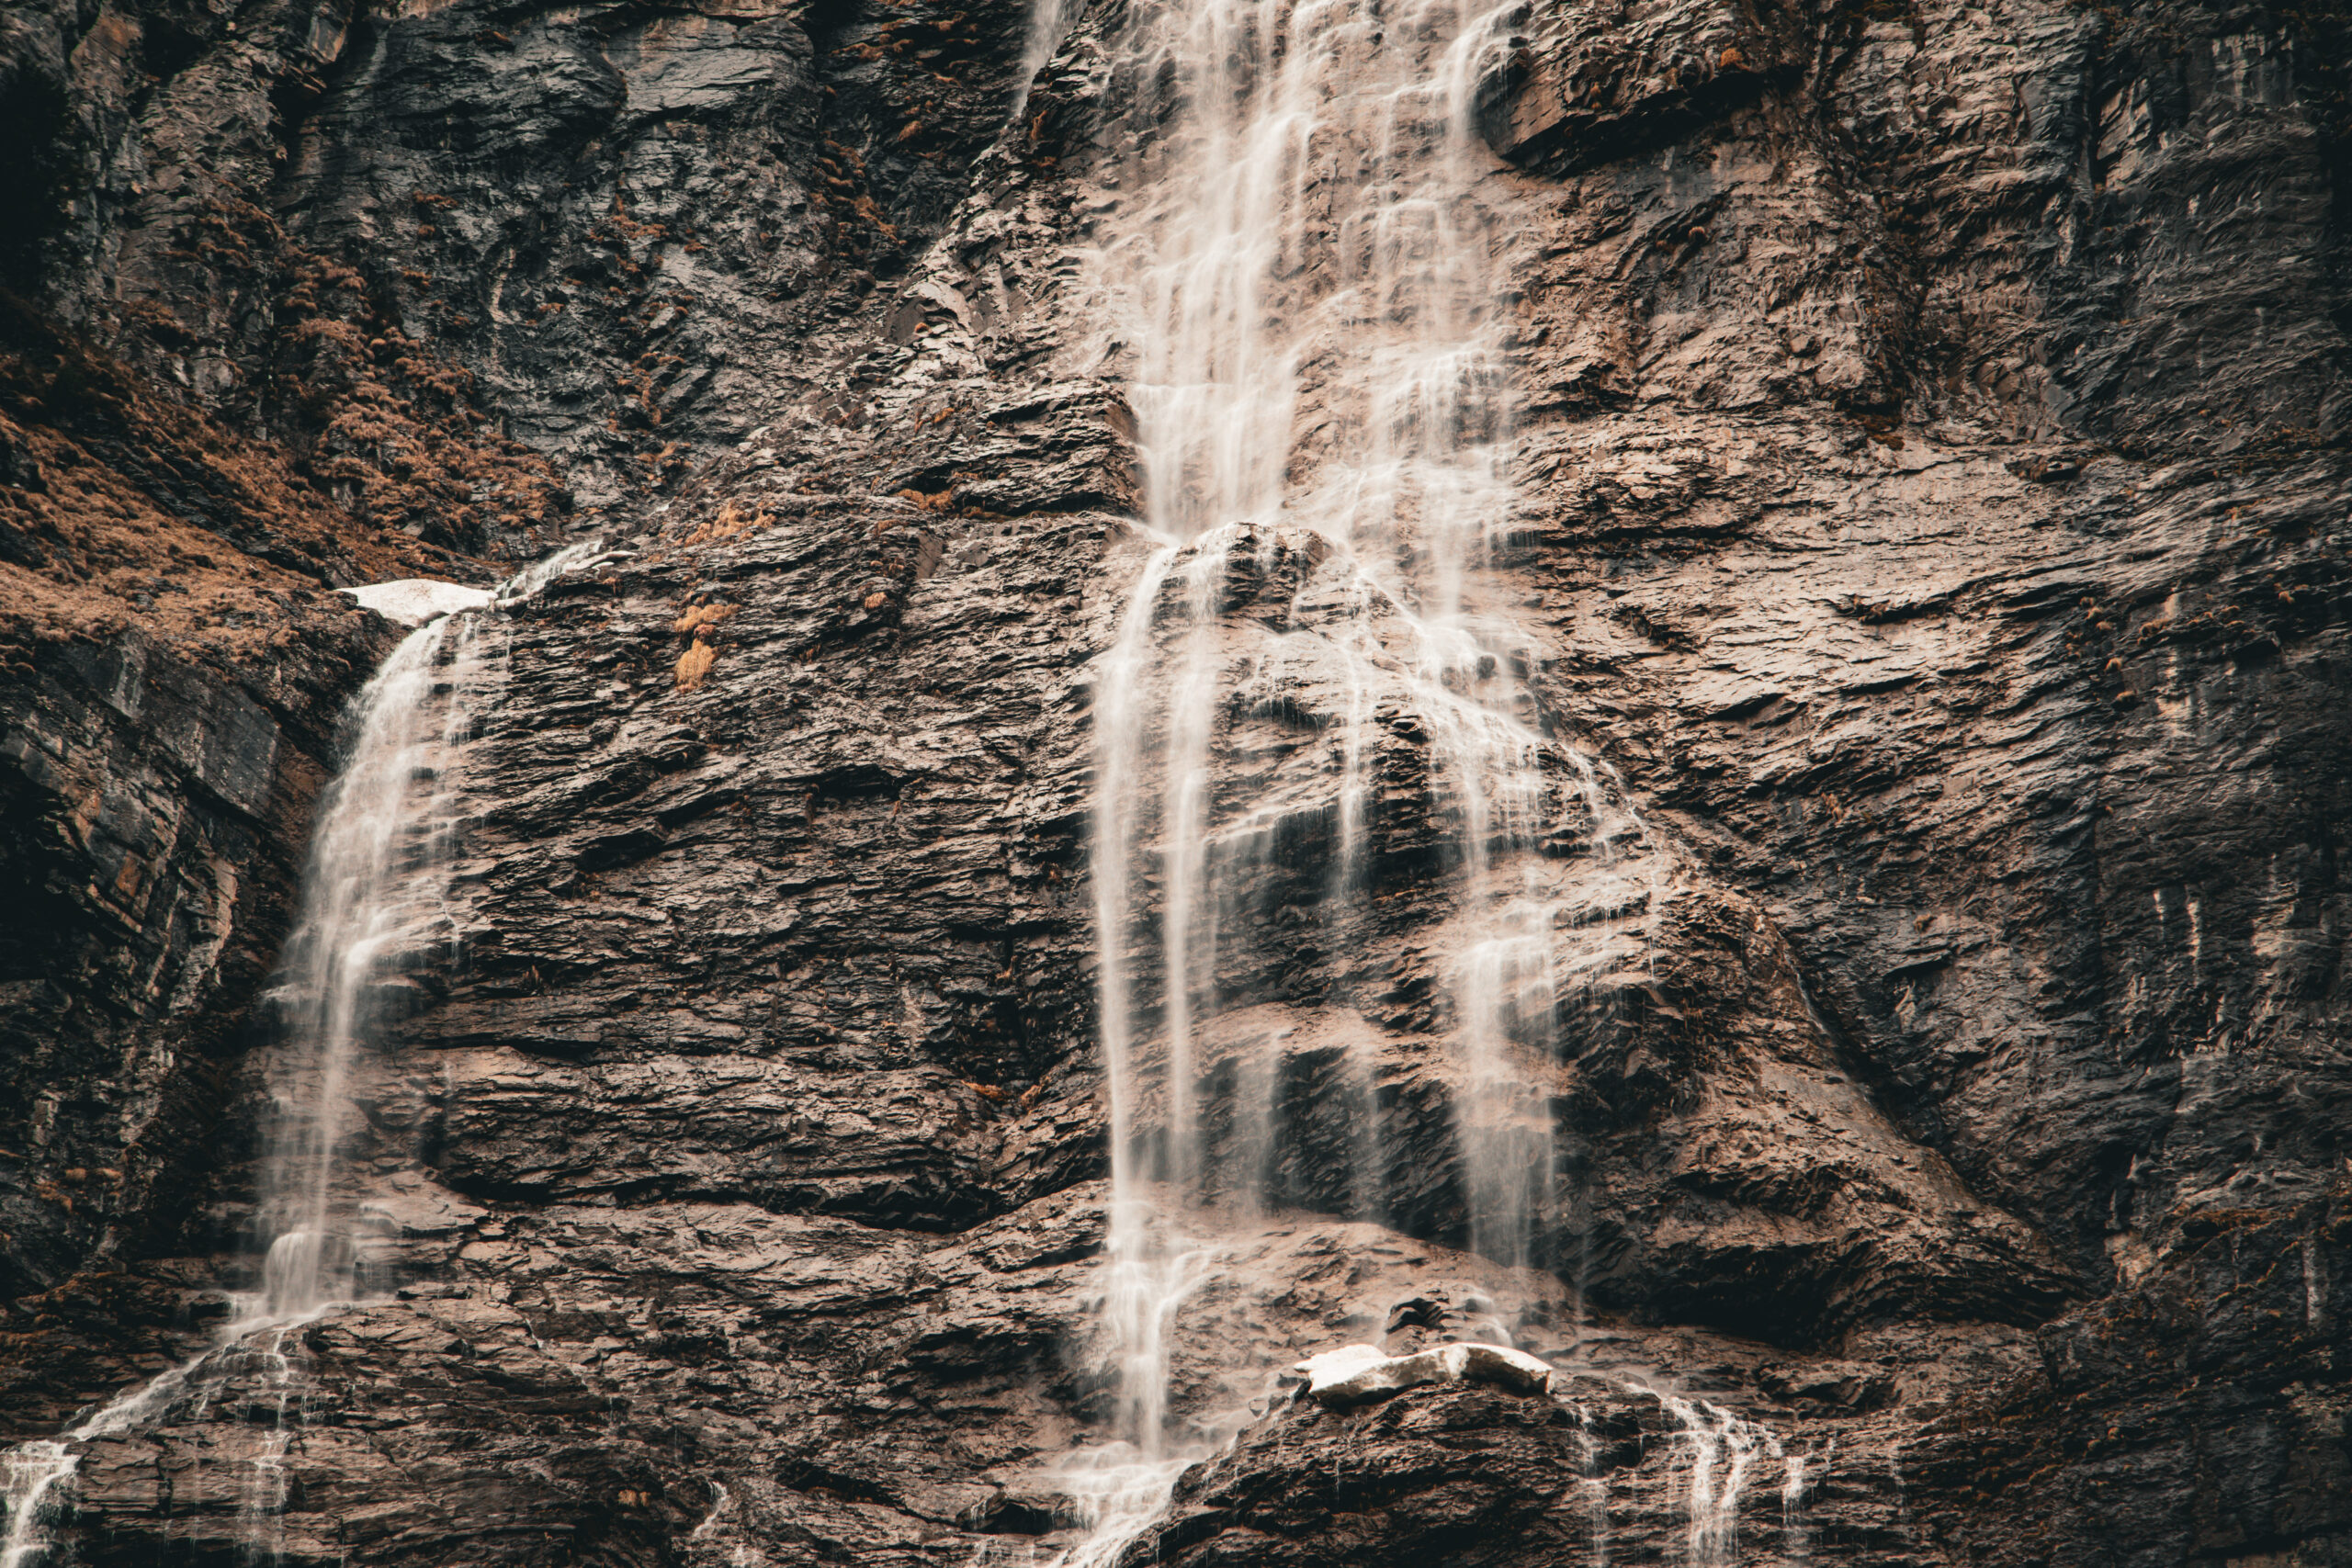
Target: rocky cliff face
(1933,512)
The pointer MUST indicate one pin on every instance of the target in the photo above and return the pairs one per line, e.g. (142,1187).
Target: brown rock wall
(1933,519)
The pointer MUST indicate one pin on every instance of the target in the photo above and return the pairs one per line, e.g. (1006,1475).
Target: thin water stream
(372,908)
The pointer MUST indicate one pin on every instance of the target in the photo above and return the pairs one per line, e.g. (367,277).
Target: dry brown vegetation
(121,510)
(699,618)
(340,451)
(732,519)
(698,624)
(694,664)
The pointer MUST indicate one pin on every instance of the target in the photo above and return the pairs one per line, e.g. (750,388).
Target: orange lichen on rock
(118,510)
(699,618)
(732,521)
(693,665)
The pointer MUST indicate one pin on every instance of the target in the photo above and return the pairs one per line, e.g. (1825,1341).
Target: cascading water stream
(1303,282)
(1723,1450)
(372,908)
(39,1473)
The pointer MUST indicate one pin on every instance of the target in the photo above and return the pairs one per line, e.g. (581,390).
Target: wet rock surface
(155,797)
(1933,513)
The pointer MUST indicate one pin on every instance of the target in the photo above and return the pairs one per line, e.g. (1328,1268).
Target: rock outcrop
(1932,518)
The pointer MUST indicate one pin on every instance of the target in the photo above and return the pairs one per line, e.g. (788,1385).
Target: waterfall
(370,909)
(1723,1450)
(39,1474)
(35,1471)
(1302,280)
(1049,21)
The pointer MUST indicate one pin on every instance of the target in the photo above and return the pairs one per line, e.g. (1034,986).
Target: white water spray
(1049,23)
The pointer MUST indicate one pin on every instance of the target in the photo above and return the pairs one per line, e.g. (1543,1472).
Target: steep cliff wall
(1933,507)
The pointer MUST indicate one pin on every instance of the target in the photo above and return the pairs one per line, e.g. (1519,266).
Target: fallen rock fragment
(1358,1374)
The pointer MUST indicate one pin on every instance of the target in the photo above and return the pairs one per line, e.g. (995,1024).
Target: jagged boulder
(1360,1374)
